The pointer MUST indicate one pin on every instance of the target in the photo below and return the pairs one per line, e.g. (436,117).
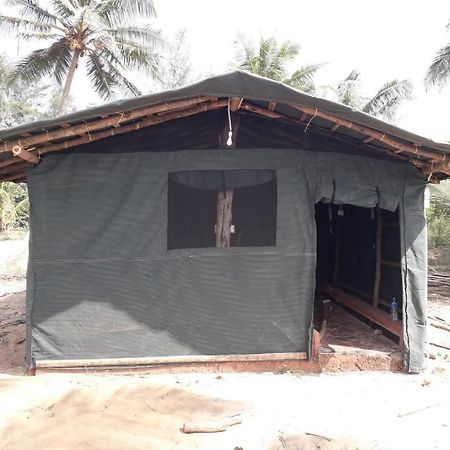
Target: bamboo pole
(378,255)
(224,214)
(66,363)
(25,155)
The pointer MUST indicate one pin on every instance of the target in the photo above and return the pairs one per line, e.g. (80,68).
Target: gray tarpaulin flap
(102,283)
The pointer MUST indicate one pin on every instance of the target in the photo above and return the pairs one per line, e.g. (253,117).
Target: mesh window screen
(194,204)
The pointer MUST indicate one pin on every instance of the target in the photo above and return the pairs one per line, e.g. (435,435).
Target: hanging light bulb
(230,139)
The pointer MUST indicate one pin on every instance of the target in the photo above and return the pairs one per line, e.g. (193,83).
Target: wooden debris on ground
(211,425)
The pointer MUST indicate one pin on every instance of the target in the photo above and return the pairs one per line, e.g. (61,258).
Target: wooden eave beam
(98,124)
(375,134)
(155,120)
(20,152)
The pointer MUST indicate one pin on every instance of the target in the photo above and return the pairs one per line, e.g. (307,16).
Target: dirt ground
(352,410)
(365,410)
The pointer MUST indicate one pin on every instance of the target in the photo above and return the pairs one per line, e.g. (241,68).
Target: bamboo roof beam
(98,124)
(26,155)
(369,132)
(155,120)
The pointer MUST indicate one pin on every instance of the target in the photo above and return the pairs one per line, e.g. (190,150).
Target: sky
(384,40)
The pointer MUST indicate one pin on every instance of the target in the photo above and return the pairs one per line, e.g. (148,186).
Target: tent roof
(254,94)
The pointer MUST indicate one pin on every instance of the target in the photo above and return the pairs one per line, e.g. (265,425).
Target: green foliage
(175,68)
(438,217)
(20,102)
(383,104)
(14,206)
(271,59)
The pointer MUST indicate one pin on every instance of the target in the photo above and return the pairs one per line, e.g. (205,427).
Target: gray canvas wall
(102,283)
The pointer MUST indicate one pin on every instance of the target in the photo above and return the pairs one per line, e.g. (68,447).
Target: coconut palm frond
(144,35)
(121,11)
(14,24)
(137,57)
(347,90)
(439,71)
(65,9)
(32,10)
(39,62)
(38,35)
(303,78)
(101,79)
(389,97)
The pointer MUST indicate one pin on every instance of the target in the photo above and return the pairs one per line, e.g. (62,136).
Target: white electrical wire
(230,128)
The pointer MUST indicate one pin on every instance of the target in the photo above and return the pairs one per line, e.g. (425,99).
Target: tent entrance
(358,275)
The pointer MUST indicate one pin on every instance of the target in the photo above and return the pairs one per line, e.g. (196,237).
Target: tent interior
(358,260)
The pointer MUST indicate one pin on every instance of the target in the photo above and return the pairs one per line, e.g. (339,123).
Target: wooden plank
(271,106)
(372,313)
(187,359)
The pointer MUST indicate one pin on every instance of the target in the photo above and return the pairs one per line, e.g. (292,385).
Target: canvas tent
(151,237)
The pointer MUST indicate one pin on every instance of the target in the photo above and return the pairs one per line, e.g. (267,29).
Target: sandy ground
(329,411)
(342,411)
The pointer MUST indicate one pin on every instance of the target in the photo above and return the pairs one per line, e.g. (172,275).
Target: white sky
(386,39)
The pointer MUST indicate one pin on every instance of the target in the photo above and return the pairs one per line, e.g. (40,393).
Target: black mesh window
(222,208)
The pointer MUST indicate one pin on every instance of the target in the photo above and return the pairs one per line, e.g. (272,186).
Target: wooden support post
(225,197)
(24,154)
(315,345)
(337,248)
(378,251)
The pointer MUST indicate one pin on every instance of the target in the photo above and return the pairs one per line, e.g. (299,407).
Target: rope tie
(120,120)
(87,131)
(310,120)
(431,171)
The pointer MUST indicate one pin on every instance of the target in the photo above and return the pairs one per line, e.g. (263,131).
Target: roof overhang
(23,146)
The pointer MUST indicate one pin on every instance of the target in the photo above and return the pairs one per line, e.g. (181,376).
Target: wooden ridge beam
(375,134)
(99,124)
(235,103)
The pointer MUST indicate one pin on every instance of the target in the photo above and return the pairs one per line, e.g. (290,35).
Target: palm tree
(102,33)
(383,104)
(439,71)
(270,60)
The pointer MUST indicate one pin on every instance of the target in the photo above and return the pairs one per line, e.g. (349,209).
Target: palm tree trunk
(68,84)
